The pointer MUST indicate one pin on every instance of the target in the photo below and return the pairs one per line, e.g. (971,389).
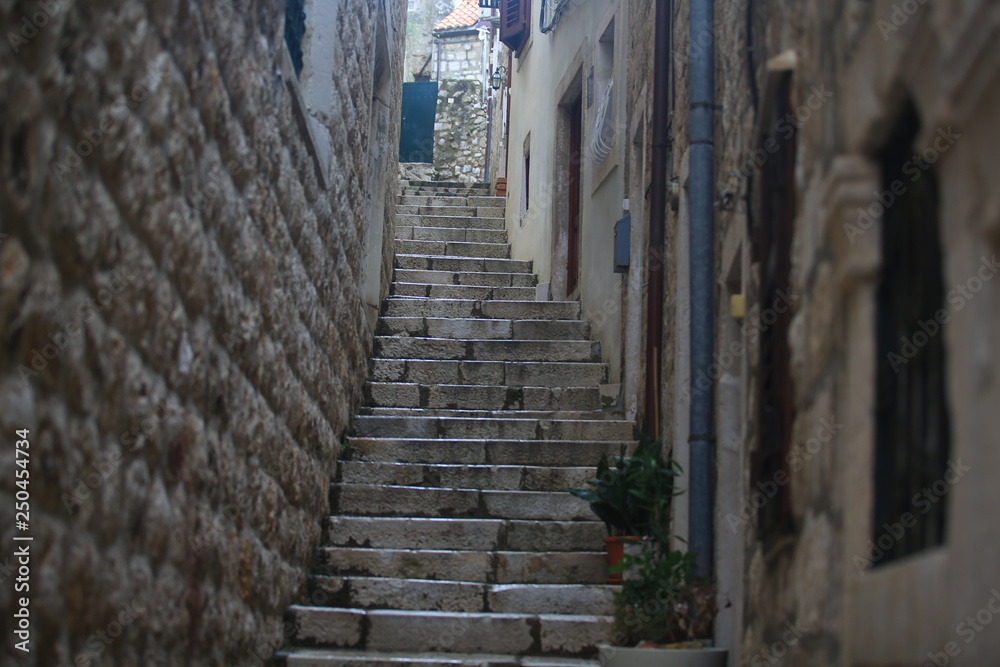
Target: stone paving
(452,540)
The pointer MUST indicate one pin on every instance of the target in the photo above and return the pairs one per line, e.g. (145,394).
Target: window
(552,11)
(772,250)
(295,30)
(515,22)
(526,178)
(602,136)
(911,422)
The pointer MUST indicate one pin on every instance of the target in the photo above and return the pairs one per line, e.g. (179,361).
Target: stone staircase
(453,541)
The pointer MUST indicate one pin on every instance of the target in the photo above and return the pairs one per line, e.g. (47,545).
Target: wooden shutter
(515,21)
(773,251)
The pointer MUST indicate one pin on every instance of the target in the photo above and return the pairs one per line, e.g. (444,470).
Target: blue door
(416,141)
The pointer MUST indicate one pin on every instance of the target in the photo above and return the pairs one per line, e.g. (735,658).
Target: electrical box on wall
(623,243)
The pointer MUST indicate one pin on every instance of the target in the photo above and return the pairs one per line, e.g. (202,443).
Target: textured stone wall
(182,328)
(421,19)
(461,122)
(801,598)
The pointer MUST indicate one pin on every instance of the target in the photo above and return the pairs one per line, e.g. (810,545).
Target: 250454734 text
(22,540)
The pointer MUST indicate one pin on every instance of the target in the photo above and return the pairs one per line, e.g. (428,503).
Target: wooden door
(573,179)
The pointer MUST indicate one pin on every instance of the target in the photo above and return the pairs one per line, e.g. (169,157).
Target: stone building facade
(460,67)
(816,112)
(820,556)
(189,236)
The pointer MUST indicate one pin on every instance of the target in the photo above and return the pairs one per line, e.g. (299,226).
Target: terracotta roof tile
(465,15)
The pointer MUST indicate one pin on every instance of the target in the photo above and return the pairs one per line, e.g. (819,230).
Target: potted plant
(663,613)
(632,497)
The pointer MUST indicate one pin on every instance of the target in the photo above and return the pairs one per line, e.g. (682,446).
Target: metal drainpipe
(701,130)
(657,216)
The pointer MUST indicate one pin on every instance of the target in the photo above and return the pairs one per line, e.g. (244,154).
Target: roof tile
(466,15)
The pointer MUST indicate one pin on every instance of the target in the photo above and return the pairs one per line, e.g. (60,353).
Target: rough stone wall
(182,329)
(419,36)
(865,55)
(461,122)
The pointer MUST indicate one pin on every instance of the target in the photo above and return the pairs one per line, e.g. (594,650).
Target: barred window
(912,421)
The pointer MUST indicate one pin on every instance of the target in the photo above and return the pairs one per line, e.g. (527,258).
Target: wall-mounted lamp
(497,79)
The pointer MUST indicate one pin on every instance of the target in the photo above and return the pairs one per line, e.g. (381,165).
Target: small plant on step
(633,494)
(662,602)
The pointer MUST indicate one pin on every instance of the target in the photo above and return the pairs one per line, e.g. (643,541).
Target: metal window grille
(911,416)
(552,11)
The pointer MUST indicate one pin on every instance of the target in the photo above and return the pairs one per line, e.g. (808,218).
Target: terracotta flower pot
(616,549)
(501,187)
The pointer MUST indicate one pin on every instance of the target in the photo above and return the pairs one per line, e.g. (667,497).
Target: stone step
(450,476)
(430,290)
(469,200)
(388,347)
(446,184)
(466,308)
(317,657)
(451,234)
(454,249)
(424,502)
(528,452)
(450,221)
(479,265)
(483,328)
(464,211)
(470,278)
(507,373)
(463,596)
(501,567)
(481,397)
(505,413)
(500,428)
(466,534)
(452,189)
(422,631)
(442,192)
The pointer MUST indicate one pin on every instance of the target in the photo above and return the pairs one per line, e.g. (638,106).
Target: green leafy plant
(632,494)
(662,602)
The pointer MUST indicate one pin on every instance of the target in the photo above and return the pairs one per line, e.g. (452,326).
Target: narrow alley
(496,333)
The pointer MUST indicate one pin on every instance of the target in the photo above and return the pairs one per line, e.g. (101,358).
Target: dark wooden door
(416,140)
(573,180)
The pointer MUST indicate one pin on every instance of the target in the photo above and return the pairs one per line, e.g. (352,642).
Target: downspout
(657,216)
(701,130)
(489,138)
